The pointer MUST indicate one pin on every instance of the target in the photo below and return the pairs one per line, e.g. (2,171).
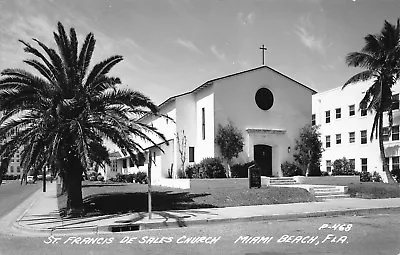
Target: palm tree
(380,56)
(64,114)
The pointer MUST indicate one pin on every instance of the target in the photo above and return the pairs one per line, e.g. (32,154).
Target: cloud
(305,31)
(217,53)
(246,19)
(188,45)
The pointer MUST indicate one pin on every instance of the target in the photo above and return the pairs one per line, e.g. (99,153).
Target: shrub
(181,174)
(324,173)
(10,177)
(120,178)
(130,178)
(289,169)
(192,171)
(376,177)
(141,177)
(365,176)
(100,178)
(212,168)
(92,178)
(241,170)
(396,174)
(343,167)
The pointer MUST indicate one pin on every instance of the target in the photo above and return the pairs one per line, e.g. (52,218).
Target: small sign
(254,174)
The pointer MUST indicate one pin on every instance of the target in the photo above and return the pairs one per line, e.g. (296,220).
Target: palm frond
(363,76)
(363,60)
(86,55)
(375,127)
(102,68)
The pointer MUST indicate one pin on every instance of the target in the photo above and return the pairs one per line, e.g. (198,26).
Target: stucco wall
(185,121)
(205,147)
(235,102)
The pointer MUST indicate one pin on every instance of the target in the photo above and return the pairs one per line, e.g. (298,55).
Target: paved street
(367,234)
(12,194)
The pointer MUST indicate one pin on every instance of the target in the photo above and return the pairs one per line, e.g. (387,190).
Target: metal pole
(44,178)
(149,183)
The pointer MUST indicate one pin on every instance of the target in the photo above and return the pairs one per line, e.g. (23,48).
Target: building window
(141,161)
(395,133)
(364,164)
(352,110)
(12,169)
(203,123)
(385,131)
(338,113)
(327,116)
(328,166)
(363,136)
(352,163)
(313,119)
(338,139)
(328,141)
(352,137)
(191,154)
(363,110)
(387,162)
(131,164)
(395,101)
(395,163)
(124,164)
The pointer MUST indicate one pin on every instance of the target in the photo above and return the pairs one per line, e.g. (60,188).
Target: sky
(173,46)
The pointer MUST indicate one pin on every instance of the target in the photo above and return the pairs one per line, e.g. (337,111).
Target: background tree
(182,148)
(230,141)
(343,167)
(65,113)
(380,56)
(3,168)
(308,150)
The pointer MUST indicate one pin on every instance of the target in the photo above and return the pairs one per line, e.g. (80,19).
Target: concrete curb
(160,225)
(105,229)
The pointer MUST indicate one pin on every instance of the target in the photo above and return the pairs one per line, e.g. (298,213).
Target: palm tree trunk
(73,181)
(385,167)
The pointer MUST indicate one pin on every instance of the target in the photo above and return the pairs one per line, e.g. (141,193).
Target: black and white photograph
(244,127)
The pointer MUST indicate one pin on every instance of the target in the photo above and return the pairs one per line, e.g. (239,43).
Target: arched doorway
(263,158)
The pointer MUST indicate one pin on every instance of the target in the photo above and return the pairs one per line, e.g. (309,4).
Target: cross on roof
(263,53)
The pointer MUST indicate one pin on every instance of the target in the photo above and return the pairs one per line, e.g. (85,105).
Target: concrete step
(327,190)
(282,180)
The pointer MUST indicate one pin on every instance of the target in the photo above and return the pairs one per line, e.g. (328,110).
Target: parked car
(30,179)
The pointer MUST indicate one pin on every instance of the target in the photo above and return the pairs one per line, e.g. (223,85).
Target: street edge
(105,229)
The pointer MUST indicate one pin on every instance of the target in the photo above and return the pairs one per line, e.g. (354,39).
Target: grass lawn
(374,190)
(116,198)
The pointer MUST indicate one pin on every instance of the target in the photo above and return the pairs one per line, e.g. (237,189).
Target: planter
(328,180)
(172,183)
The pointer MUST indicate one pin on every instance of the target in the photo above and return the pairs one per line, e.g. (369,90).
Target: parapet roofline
(210,82)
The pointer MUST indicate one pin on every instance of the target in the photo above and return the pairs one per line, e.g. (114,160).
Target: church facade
(268,107)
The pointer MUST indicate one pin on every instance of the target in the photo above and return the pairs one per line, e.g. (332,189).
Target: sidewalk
(41,215)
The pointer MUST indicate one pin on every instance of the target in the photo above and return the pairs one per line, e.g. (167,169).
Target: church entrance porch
(268,148)
(263,158)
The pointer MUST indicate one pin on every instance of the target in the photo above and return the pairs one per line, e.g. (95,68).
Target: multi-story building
(14,167)
(345,129)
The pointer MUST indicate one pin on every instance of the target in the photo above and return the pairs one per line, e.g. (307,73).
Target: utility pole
(149,182)
(263,53)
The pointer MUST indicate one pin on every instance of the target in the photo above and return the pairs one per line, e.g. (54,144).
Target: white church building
(346,129)
(268,107)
